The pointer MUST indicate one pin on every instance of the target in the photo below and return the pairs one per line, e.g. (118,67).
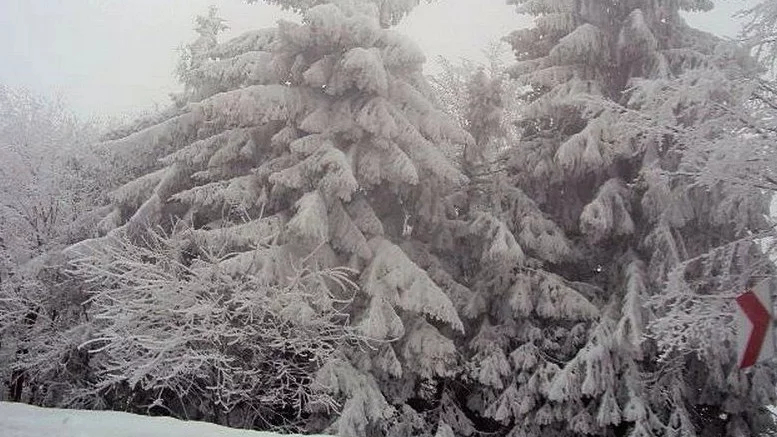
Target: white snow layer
(21,420)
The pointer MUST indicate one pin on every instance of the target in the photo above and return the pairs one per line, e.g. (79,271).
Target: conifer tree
(314,144)
(598,230)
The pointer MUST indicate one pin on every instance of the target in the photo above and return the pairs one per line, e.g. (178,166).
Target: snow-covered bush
(42,322)
(199,338)
(51,186)
(48,174)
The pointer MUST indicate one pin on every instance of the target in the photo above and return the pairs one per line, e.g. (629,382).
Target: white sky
(118,56)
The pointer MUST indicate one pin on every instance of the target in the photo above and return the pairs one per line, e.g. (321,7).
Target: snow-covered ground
(20,420)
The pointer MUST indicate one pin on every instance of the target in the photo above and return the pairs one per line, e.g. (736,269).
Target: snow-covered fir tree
(314,145)
(606,220)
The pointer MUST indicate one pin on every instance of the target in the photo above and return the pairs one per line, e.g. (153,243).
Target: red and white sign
(755,333)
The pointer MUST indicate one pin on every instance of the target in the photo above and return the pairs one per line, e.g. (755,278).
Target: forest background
(315,235)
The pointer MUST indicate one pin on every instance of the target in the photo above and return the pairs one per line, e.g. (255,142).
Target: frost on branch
(172,332)
(609,214)
(364,405)
(426,352)
(585,43)
(502,247)
(393,277)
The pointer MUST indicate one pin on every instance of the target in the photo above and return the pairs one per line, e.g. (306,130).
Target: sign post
(755,333)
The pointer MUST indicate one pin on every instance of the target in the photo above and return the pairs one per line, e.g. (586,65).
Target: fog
(112,57)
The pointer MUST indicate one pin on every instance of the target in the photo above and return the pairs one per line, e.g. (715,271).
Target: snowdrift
(21,420)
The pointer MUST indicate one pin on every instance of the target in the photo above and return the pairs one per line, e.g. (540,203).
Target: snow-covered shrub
(48,174)
(199,338)
(42,322)
(51,183)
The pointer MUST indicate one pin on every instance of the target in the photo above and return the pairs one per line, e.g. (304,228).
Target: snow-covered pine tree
(319,138)
(596,217)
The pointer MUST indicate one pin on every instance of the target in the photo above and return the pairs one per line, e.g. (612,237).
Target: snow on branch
(196,335)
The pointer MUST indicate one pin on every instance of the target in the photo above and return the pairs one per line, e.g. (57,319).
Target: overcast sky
(118,56)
